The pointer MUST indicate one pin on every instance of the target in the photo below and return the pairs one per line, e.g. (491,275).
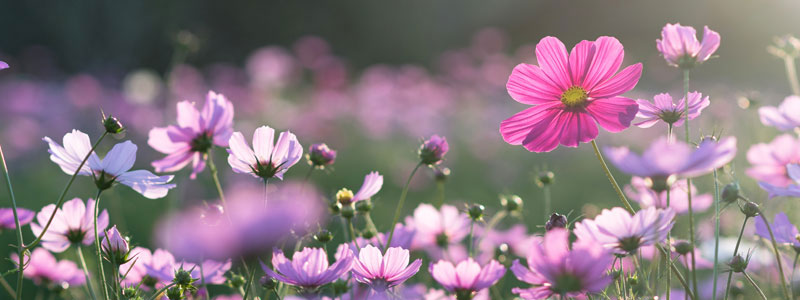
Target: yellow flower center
(344,196)
(574,97)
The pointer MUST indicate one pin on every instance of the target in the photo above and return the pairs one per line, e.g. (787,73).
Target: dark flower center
(659,183)
(630,244)
(671,116)
(265,169)
(442,240)
(566,283)
(202,142)
(75,236)
(574,97)
(103,180)
(462,294)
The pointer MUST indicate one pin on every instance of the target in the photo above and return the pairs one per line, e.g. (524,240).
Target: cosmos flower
(381,271)
(195,134)
(320,156)
(664,109)
(432,150)
(7,217)
(617,229)
(265,160)
(371,186)
(43,268)
(438,228)
(571,93)
(308,268)
(768,161)
(641,191)
(468,277)
(680,47)
(72,224)
(785,117)
(785,232)
(555,269)
(664,158)
(792,190)
(115,167)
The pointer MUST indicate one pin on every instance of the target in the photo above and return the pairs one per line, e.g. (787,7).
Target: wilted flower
(433,150)
(785,117)
(7,217)
(115,167)
(195,134)
(785,232)
(265,160)
(553,269)
(768,161)
(381,271)
(468,277)
(664,109)
(642,191)
(617,229)
(43,268)
(308,268)
(680,46)
(73,224)
(115,246)
(371,186)
(571,94)
(320,156)
(665,158)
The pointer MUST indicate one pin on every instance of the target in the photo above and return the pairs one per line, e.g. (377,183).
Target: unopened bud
(320,156)
(344,196)
(749,209)
(476,212)
(556,221)
(364,206)
(323,236)
(348,211)
(335,208)
(432,150)
(115,247)
(112,125)
(368,234)
(730,193)
(237,281)
(175,293)
(683,247)
(545,178)
(738,263)
(268,282)
(511,203)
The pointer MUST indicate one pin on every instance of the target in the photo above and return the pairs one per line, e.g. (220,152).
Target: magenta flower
(438,228)
(785,232)
(3,65)
(555,269)
(432,150)
(664,109)
(680,46)
(195,134)
(380,271)
(792,190)
(43,268)
(115,167)
(571,94)
(785,117)
(308,268)
(768,161)
(320,156)
(641,191)
(616,229)
(7,217)
(468,277)
(665,158)
(73,224)
(265,160)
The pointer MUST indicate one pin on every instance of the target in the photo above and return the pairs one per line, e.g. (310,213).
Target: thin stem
(353,233)
(686,102)
(249,284)
(753,283)
(7,287)
(735,251)
(791,279)
(266,197)
(471,239)
(115,275)
(688,180)
(399,208)
(86,272)
(160,291)
(371,226)
(669,248)
(791,74)
(611,178)
(716,235)
(492,222)
(777,255)
(215,177)
(20,246)
(97,246)
(547,201)
(440,192)
(677,273)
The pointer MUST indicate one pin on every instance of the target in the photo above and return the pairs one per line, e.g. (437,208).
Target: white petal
(146,183)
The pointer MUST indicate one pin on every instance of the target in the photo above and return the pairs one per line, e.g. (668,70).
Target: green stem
(547,201)
(399,208)
(791,278)
(753,283)
(115,275)
(688,180)
(8,287)
(440,192)
(249,284)
(611,178)
(215,177)
(102,274)
(716,235)
(160,291)
(669,249)
(735,251)
(353,233)
(86,272)
(777,255)
(20,246)
(677,273)
(371,226)
(471,239)
(791,74)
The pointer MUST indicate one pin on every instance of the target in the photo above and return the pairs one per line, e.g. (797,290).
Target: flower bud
(335,208)
(545,178)
(268,282)
(115,247)
(368,234)
(237,281)
(175,293)
(749,209)
(112,125)
(130,293)
(511,203)
(320,156)
(183,278)
(633,280)
(476,212)
(683,247)
(738,263)
(344,196)
(441,174)
(556,221)
(786,47)
(348,211)
(730,193)
(323,236)
(433,150)
(364,206)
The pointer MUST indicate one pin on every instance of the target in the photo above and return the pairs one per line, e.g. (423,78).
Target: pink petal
(159,139)
(515,129)
(576,127)
(709,45)
(263,139)
(606,61)
(621,83)
(613,114)
(580,59)
(188,116)
(551,54)
(529,85)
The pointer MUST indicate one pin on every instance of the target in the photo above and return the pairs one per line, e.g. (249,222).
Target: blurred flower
(786,47)
(372,184)
(664,109)
(570,94)
(163,267)
(383,271)
(141,86)
(308,268)
(641,190)
(115,167)
(7,217)
(43,268)
(72,224)
(265,159)
(270,68)
(438,228)
(433,150)
(515,240)
(3,65)
(680,46)
(134,270)
(785,117)
(768,161)
(115,246)
(616,229)
(785,232)
(196,133)
(553,269)
(468,277)
(664,158)
(320,156)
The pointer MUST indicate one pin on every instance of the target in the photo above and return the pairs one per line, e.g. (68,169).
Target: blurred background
(369,78)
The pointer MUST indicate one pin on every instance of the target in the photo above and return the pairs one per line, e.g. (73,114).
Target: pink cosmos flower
(680,46)
(768,161)
(438,228)
(792,190)
(162,267)
(665,158)
(7,217)
(73,224)
(664,109)
(432,150)
(555,269)
(641,191)
(381,271)
(571,94)
(195,134)
(115,167)
(785,117)
(308,268)
(265,160)
(785,232)
(616,229)
(468,277)
(42,267)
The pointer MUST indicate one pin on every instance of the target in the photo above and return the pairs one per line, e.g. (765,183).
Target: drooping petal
(146,183)
(372,184)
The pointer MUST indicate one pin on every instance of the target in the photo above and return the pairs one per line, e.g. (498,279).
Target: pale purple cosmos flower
(320,155)
(115,167)
(266,159)
(438,228)
(115,246)
(195,134)
(555,269)
(768,161)
(73,224)
(641,191)
(680,46)
(3,65)
(468,277)
(7,217)
(664,158)
(616,229)
(433,150)
(43,268)
(785,232)
(381,271)
(308,268)
(162,267)
(664,109)
(785,117)
(792,190)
